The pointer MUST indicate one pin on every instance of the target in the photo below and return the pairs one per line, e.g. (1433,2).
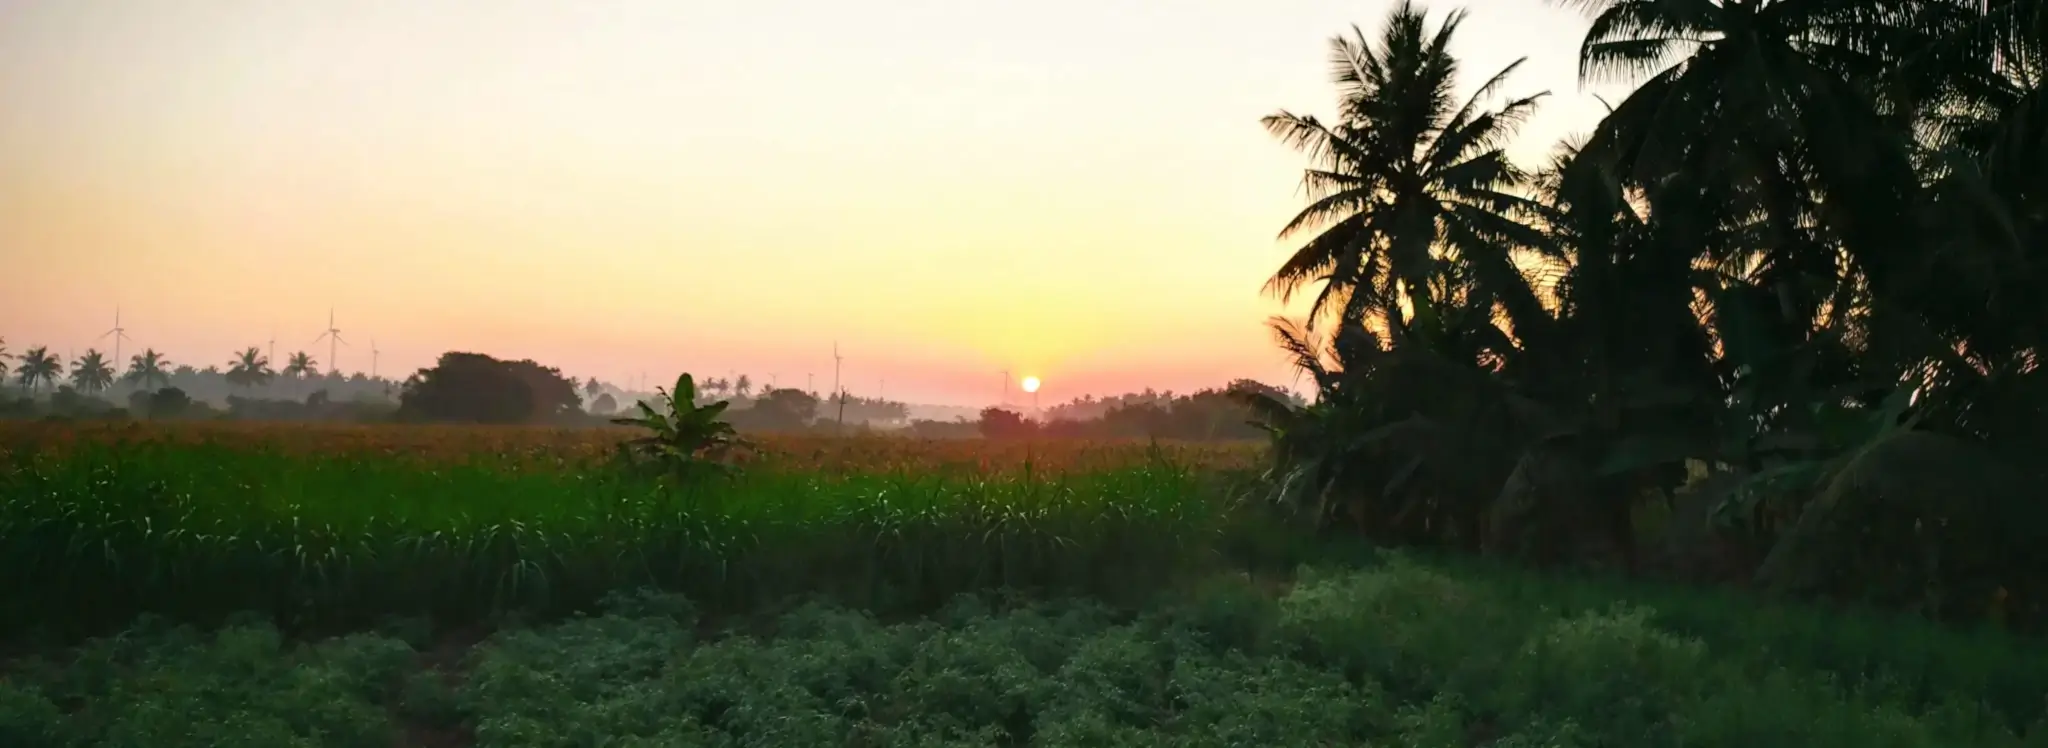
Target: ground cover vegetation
(1766,324)
(1392,653)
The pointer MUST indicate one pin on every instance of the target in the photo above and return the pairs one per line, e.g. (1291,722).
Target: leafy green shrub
(1615,670)
(239,686)
(687,441)
(1412,629)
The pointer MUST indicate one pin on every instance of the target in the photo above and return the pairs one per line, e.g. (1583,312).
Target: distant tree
(146,370)
(475,388)
(91,373)
(250,368)
(3,354)
(67,401)
(604,404)
(169,402)
(997,423)
(1255,387)
(777,410)
(38,367)
(961,428)
(742,386)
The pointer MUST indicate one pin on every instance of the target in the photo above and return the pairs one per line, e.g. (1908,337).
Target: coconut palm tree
(742,386)
(38,367)
(148,370)
(91,373)
(1793,118)
(249,368)
(1406,182)
(299,367)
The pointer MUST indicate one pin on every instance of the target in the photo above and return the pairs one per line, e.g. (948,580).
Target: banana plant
(686,441)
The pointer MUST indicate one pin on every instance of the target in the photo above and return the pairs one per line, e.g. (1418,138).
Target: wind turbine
(836,392)
(374,353)
(332,336)
(120,333)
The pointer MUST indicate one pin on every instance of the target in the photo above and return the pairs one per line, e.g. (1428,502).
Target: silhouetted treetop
(476,388)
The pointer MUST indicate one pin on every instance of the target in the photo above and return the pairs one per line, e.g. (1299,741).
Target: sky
(1078,190)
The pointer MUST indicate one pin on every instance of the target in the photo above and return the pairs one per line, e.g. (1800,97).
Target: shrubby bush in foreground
(1397,655)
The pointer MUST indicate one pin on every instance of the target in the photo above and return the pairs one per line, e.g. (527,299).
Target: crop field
(238,585)
(333,526)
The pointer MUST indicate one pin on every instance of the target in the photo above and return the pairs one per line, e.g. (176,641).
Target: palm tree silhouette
(38,367)
(91,372)
(298,367)
(742,386)
(146,370)
(249,368)
(1406,185)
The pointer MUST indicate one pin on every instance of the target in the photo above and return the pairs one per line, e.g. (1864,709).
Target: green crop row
(100,534)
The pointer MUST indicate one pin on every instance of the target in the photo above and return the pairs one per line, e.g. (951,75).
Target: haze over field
(1074,189)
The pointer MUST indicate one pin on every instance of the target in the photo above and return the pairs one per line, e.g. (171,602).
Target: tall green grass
(102,533)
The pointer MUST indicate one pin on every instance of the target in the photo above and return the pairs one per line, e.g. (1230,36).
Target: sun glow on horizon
(1030,384)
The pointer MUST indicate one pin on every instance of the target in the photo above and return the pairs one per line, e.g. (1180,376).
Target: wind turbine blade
(323,336)
(342,340)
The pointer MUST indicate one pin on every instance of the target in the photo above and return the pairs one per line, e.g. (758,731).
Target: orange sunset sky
(1076,189)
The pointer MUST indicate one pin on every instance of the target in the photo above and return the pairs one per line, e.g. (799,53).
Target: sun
(1031,384)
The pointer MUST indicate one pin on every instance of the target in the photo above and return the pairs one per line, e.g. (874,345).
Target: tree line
(1213,414)
(466,387)
(1784,306)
